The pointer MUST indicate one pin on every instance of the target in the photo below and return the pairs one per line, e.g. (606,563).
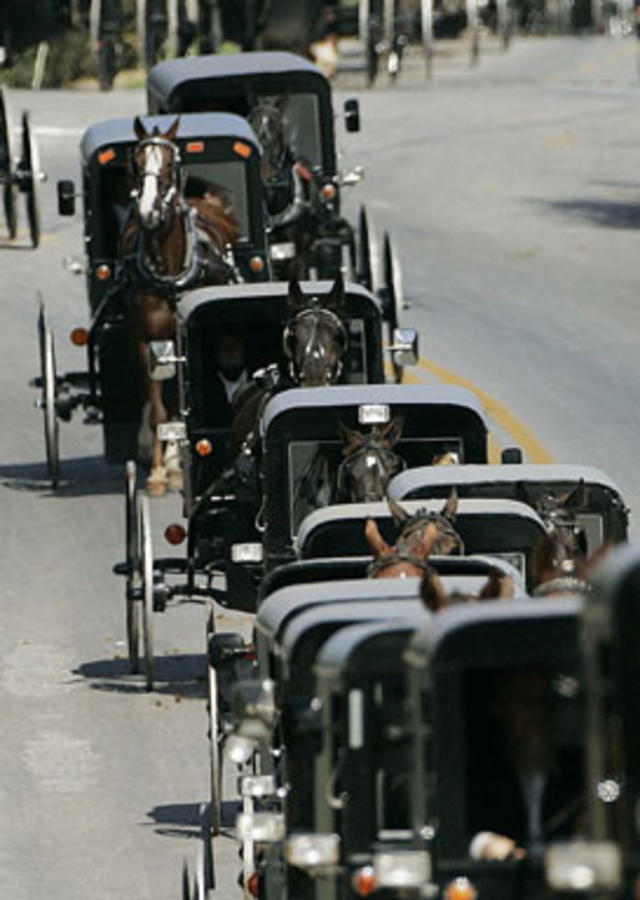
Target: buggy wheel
(7,175)
(146,572)
(394,294)
(426,25)
(215,752)
(368,261)
(49,396)
(30,177)
(133,579)
(205,874)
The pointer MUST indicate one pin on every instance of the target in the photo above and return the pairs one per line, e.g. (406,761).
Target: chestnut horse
(169,244)
(421,535)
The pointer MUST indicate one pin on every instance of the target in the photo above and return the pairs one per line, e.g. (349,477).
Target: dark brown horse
(421,535)
(369,462)
(170,244)
(314,340)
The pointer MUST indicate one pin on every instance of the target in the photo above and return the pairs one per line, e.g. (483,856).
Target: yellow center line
(501,414)
(497,411)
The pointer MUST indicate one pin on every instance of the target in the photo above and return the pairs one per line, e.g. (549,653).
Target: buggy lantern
(584,866)
(247,553)
(260,827)
(401,869)
(313,851)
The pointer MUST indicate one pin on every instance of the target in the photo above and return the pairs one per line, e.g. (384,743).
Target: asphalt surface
(513,193)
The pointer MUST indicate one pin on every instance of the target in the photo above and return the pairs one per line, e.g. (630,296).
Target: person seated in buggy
(524,790)
(226,373)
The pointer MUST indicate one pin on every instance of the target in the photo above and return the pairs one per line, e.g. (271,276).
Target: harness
(392,559)
(567,584)
(413,525)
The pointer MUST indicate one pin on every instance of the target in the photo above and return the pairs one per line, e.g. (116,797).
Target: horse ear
(335,298)
(393,432)
(351,438)
(433,592)
(170,135)
(400,515)
(577,498)
(375,539)
(140,130)
(296,298)
(450,509)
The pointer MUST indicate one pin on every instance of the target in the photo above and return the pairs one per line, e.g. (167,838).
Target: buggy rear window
(313,469)
(226,180)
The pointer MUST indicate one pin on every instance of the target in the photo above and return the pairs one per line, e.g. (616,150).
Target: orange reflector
(204,447)
(256,264)
(328,191)
(175,534)
(460,889)
(106,156)
(253,885)
(79,337)
(195,147)
(103,272)
(242,149)
(364,882)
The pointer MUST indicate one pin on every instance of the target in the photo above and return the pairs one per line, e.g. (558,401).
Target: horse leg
(157,481)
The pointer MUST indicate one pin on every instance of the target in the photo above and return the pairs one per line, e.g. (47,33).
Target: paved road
(513,192)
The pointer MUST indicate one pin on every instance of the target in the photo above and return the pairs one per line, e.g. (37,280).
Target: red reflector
(204,447)
(364,882)
(79,337)
(256,264)
(175,534)
(106,156)
(253,885)
(195,147)
(242,149)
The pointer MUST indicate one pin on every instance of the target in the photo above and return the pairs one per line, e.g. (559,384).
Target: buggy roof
(198,300)
(335,614)
(418,481)
(279,606)
(166,76)
(192,125)
(457,633)
(336,654)
(358,395)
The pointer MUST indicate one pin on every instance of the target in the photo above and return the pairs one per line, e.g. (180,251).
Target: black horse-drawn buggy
(217,153)
(288,102)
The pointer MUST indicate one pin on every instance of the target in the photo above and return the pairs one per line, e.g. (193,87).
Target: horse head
(156,168)
(315,337)
(266,118)
(421,535)
(369,462)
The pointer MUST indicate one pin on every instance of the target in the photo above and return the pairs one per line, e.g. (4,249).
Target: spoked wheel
(394,294)
(146,585)
(30,177)
(426,21)
(215,752)
(49,396)
(368,269)
(133,580)
(205,871)
(7,174)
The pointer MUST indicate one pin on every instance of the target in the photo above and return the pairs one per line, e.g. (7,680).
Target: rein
(394,559)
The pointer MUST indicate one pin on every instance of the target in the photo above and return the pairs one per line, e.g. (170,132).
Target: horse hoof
(157,483)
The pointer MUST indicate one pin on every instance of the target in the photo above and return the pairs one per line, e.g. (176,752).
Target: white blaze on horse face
(147,208)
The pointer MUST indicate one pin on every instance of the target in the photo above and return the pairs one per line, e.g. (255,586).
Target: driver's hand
(499,847)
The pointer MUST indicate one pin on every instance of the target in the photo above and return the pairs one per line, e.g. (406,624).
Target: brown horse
(421,535)
(315,340)
(369,462)
(170,243)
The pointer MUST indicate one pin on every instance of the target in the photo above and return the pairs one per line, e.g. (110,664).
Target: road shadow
(182,676)
(184,820)
(620,214)
(82,476)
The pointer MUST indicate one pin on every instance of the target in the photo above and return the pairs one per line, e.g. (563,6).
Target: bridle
(374,450)
(170,177)
(401,554)
(314,348)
